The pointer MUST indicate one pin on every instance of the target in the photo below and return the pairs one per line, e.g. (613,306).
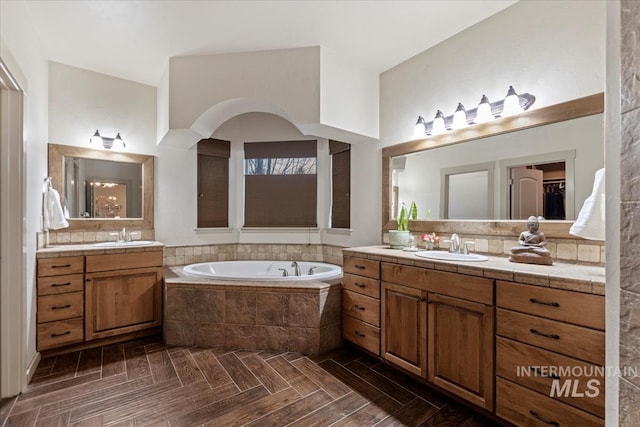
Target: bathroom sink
(123,244)
(448,256)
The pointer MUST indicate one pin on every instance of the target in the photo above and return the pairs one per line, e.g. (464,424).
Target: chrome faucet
(124,235)
(296,268)
(454,243)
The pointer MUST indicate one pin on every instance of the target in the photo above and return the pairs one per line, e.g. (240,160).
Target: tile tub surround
(302,317)
(580,278)
(185,255)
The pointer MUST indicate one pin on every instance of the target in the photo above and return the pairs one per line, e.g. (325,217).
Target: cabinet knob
(87,280)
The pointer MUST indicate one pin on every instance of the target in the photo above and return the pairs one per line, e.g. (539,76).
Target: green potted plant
(399,238)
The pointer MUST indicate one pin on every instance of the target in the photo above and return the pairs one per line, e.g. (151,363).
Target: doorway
(538,190)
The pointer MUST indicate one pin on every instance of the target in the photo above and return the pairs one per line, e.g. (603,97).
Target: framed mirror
(472,186)
(101,189)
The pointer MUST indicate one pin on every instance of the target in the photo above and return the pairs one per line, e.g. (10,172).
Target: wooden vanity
(92,296)
(489,333)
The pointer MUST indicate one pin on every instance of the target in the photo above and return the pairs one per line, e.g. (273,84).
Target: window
(340,184)
(213,183)
(280,184)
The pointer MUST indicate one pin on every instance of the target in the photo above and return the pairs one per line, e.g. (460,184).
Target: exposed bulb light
(511,103)
(438,124)
(419,129)
(459,117)
(107,142)
(96,138)
(484,111)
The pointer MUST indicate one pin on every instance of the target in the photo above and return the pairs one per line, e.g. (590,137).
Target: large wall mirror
(541,162)
(102,189)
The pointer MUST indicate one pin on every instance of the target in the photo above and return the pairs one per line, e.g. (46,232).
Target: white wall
(81,101)
(552,49)
(28,64)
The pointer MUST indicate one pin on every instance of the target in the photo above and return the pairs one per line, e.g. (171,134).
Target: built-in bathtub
(250,305)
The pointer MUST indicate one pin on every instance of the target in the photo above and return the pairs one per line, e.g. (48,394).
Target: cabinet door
(122,301)
(404,326)
(461,348)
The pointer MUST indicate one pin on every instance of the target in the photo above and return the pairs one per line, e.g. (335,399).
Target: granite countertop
(90,249)
(575,277)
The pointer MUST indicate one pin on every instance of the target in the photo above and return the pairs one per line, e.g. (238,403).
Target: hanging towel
(590,223)
(53,217)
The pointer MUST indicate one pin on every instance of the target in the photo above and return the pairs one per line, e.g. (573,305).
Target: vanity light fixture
(108,143)
(513,103)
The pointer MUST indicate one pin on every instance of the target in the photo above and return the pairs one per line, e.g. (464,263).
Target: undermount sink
(449,256)
(123,244)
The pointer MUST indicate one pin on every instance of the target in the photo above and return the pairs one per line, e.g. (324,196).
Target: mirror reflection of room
(102,188)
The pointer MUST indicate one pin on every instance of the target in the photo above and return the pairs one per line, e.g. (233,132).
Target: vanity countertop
(90,249)
(575,277)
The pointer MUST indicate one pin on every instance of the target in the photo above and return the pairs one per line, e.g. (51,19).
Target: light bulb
(511,104)
(118,143)
(96,138)
(438,124)
(483,114)
(459,118)
(419,129)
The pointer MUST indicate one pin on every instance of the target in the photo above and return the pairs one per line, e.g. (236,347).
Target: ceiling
(134,39)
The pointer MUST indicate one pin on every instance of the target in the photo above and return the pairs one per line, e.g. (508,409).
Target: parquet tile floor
(145,383)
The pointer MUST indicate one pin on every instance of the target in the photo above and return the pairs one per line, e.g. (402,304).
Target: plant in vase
(399,238)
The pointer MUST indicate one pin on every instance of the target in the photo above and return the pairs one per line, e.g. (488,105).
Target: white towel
(53,217)
(590,223)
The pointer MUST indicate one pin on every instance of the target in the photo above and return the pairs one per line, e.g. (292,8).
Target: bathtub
(263,271)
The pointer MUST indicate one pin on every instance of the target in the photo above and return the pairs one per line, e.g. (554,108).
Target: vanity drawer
(62,306)
(530,366)
(524,407)
(362,285)
(60,284)
(362,267)
(62,332)
(576,341)
(361,307)
(361,334)
(112,262)
(567,306)
(60,266)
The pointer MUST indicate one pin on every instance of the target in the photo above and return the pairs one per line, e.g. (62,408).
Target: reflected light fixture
(116,143)
(513,103)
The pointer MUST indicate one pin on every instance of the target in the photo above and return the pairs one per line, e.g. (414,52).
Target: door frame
(12,210)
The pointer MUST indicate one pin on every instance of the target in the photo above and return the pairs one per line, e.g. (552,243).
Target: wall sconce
(108,143)
(513,103)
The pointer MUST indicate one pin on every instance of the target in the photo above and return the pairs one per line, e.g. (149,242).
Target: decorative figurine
(531,248)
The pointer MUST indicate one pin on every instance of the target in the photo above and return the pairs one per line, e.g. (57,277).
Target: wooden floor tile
(146,383)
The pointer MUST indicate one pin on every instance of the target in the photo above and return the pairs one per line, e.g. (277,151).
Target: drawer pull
(360,285)
(552,336)
(359,334)
(61,266)
(357,307)
(538,372)
(544,420)
(53,285)
(551,304)
(60,334)
(360,267)
(60,307)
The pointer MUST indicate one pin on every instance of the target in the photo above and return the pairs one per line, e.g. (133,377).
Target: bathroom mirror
(471,173)
(102,189)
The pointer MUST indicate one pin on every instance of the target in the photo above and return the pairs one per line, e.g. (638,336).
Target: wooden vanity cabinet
(361,303)
(60,314)
(440,326)
(540,328)
(123,293)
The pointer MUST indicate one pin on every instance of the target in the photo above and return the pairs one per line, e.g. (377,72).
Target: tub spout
(296,268)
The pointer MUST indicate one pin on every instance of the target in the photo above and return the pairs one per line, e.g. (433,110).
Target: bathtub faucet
(296,268)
